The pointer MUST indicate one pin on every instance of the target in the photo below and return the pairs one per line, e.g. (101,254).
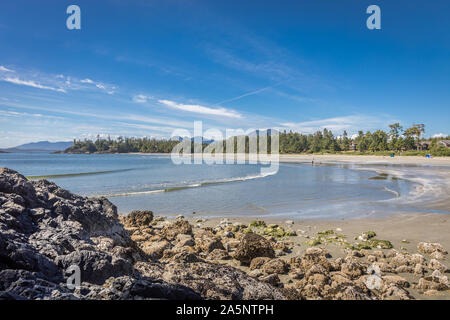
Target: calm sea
(155,183)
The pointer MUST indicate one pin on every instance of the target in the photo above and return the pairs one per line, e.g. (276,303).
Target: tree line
(122,145)
(395,140)
(323,141)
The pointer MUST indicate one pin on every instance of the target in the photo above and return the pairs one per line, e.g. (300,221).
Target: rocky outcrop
(45,229)
(188,258)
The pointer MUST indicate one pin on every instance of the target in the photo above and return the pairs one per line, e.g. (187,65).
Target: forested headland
(396,140)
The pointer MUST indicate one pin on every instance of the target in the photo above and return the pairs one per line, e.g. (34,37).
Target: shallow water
(155,183)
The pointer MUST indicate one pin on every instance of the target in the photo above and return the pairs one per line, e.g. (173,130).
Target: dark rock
(212,281)
(252,246)
(95,266)
(139,218)
(180,226)
(258,262)
(44,229)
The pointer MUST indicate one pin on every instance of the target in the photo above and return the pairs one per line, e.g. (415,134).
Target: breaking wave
(189,186)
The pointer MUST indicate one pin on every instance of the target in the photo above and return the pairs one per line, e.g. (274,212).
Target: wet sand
(341,158)
(366,159)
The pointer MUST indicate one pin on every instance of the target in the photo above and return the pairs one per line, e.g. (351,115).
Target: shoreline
(436,170)
(324,158)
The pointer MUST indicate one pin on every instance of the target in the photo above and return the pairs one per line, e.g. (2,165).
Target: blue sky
(146,68)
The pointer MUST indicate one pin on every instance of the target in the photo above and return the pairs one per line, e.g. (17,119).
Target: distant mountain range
(41,146)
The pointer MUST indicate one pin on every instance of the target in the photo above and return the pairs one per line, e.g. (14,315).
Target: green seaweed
(371,234)
(381,244)
(277,231)
(371,244)
(313,242)
(257,224)
(326,233)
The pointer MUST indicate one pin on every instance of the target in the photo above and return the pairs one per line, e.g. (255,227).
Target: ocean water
(137,182)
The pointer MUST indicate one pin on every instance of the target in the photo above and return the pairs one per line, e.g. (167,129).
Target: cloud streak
(30,83)
(109,89)
(223,112)
(248,94)
(56,83)
(4,69)
(117,117)
(141,98)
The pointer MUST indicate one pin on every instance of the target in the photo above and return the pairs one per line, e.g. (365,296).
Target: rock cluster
(180,256)
(45,230)
(372,273)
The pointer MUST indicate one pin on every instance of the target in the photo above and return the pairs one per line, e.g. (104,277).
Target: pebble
(228,234)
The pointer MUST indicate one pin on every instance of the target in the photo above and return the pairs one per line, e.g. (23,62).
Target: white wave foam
(397,194)
(194,185)
(125,194)
(428,185)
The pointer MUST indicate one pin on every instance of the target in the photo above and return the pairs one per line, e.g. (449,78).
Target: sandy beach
(415,161)
(367,159)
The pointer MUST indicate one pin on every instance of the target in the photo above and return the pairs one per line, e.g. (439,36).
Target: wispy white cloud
(265,65)
(141,98)
(201,109)
(109,89)
(295,97)
(53,82)
(87,80)
(339,124)
(31,83)
(8,113)
(440,135)
(4,69)
(169,122)
(246,94)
